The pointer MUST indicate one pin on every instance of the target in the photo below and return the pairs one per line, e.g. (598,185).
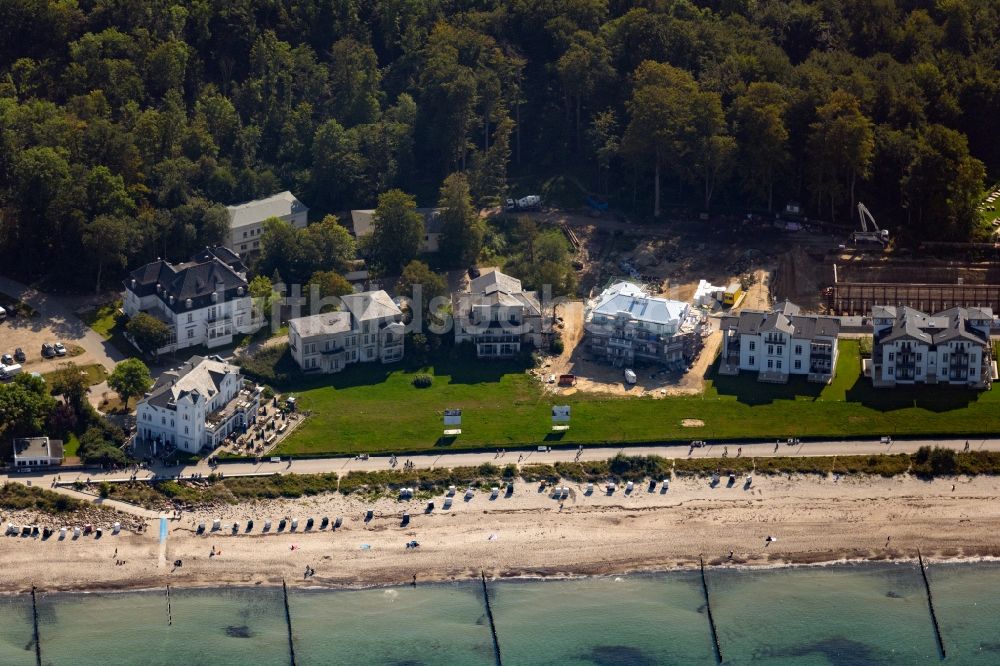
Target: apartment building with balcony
(779,344)
(499,317)
(949,347)
(369,328)
(625,325)
(246,220)
(197,406)
(205,301)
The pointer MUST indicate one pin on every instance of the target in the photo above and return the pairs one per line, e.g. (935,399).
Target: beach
(812,519)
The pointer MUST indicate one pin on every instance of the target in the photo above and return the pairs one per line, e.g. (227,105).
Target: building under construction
(925,285)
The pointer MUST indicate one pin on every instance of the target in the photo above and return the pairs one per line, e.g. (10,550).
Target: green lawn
(70,446)
(372,409)
(103,319)
(95,373)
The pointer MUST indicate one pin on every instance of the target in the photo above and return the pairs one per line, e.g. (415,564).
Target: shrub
(422,381)
(15,496)
(105,489)
(272,364)
(509,471)
(557,345)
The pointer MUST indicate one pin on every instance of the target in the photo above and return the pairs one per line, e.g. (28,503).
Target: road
(458,459)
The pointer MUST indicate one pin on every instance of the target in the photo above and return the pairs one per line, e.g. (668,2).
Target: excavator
(873,235)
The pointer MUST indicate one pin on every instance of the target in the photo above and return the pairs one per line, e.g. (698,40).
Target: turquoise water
(843,615)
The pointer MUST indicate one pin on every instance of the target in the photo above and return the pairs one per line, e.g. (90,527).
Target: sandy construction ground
(814,520)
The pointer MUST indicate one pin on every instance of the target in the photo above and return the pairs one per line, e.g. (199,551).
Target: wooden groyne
(34,619)
(930,605)
(489,616)
(708,608)
(288,622)
(170,616)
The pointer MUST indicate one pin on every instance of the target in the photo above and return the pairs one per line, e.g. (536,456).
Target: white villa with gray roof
(204,301)
(369,328)
(949,347)
(780,343)
(197,406)
(498,317)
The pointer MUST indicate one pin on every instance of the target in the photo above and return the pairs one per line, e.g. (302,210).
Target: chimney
(187,303)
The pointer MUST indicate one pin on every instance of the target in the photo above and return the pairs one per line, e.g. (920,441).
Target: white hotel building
(197,406)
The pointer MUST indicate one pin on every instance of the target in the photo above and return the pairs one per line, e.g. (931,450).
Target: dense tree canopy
(126,126)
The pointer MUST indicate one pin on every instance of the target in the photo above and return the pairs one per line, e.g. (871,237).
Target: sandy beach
(814,520)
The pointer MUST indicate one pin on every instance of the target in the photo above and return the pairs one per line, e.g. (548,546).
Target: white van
(9,371)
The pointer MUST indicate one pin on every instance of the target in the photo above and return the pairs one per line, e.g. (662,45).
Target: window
(919,357)
(753,345)
(190,334)
(190,317)
(944,357)
(891,369)
(163,420)
(779,350)
(770,349)
(770,364)
(753,361)
(185,430)
(244,234)
(798,349)
(798,365)
(779,364)
(892,356)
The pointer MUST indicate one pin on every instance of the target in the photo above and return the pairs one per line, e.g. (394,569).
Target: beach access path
(343,465)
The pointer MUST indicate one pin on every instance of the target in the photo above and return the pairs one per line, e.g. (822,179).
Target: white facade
(197,406)
(779,344)
(369,329)
(246,220)
(950,347)
(203,302)
(37,452)
(498,316)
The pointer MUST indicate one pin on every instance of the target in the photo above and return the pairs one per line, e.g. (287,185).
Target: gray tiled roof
(196,280)
(784,318)
(199,375)
(327,323)
(912,324)
(282,204)
(371,305)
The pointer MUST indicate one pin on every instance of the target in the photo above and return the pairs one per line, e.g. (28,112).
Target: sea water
(839,615)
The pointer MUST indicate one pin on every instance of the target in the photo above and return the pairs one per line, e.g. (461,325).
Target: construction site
(822,268)
(924,284)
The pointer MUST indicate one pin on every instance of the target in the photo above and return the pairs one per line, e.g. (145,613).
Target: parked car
(9,371)
(6,359)
(59,348)
(48,350)
(19,355)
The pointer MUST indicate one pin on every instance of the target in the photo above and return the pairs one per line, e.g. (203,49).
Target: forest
(127,125)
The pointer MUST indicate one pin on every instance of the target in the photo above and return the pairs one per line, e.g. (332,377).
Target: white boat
(295,523)
(62,533)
